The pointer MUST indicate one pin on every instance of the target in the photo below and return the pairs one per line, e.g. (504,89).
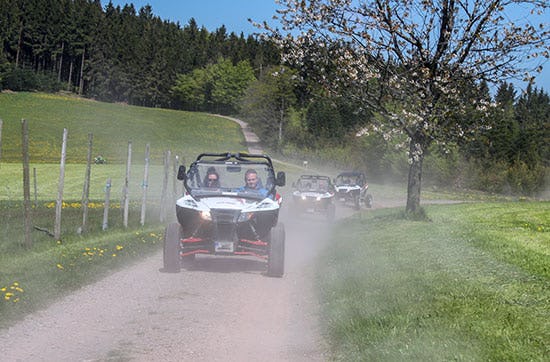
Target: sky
(212,14)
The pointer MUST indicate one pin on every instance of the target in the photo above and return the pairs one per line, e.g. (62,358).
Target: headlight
(205,215)
(245,216)
(318,198)
(303,197)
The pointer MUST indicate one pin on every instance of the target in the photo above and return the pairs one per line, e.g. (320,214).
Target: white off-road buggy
(314,194)
(352,188)
(227,217)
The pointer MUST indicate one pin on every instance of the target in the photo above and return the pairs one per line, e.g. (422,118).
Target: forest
(129,55)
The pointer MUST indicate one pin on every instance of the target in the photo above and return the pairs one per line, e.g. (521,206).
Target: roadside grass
(32,279)
(471,285)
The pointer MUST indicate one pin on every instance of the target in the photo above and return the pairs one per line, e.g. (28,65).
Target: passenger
(212,179)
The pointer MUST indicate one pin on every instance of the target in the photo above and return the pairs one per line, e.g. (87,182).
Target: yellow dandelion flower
(119,247)
(114,255)
(59,266)
(3,289)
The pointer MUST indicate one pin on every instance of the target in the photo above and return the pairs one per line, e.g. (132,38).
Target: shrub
(18,79)
(525,180)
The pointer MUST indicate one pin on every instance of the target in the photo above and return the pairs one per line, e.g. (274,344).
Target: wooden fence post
(59,202)
(163,197)
(106,205)
(145,185)
(125,191)
(26,183)
(1,123)
(35,187)
(174,178)
(86,191)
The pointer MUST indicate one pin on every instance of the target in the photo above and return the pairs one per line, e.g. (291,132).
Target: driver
(252,182)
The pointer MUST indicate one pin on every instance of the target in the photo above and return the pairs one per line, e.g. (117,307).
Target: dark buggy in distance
(352,187)
(314,194)
(227,218)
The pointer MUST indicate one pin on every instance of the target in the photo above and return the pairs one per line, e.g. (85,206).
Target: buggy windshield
(313,185)
(348,179)
(230,178)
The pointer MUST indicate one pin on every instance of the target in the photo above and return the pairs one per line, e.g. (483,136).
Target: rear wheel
(171,252)
(276,252)
(331,212)
(368,201)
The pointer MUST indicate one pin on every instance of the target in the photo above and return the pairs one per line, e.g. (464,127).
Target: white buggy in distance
(314,194)
(352,187)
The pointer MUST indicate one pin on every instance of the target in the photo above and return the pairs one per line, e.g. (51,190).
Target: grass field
(473,284)
(113,126)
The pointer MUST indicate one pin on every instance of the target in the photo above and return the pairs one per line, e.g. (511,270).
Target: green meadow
(113,126)
(472,284)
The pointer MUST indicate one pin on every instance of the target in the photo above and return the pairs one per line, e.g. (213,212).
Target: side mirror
(281,178)
(181,173)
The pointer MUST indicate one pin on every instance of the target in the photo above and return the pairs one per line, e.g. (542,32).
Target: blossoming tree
(413,61)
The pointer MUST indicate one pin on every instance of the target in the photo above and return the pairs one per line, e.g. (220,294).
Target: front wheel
(171,252)
(276,252)
(356,202)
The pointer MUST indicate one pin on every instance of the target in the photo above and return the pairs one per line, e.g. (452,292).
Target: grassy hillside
(112,125)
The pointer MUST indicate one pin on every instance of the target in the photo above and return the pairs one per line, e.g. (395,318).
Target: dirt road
(221,309)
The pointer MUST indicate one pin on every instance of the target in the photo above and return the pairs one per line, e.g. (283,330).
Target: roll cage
(231,164)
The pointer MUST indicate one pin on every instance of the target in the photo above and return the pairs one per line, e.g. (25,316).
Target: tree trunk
(414,184)
(81,82)
(60,62)
(69,85)
(19,47)
(281,120)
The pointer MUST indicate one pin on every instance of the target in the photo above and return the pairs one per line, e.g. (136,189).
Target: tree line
(323,102)
(116,54)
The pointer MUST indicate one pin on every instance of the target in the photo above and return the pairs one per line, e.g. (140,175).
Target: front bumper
(225,233)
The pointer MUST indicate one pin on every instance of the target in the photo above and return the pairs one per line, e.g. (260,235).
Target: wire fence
(135,193)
